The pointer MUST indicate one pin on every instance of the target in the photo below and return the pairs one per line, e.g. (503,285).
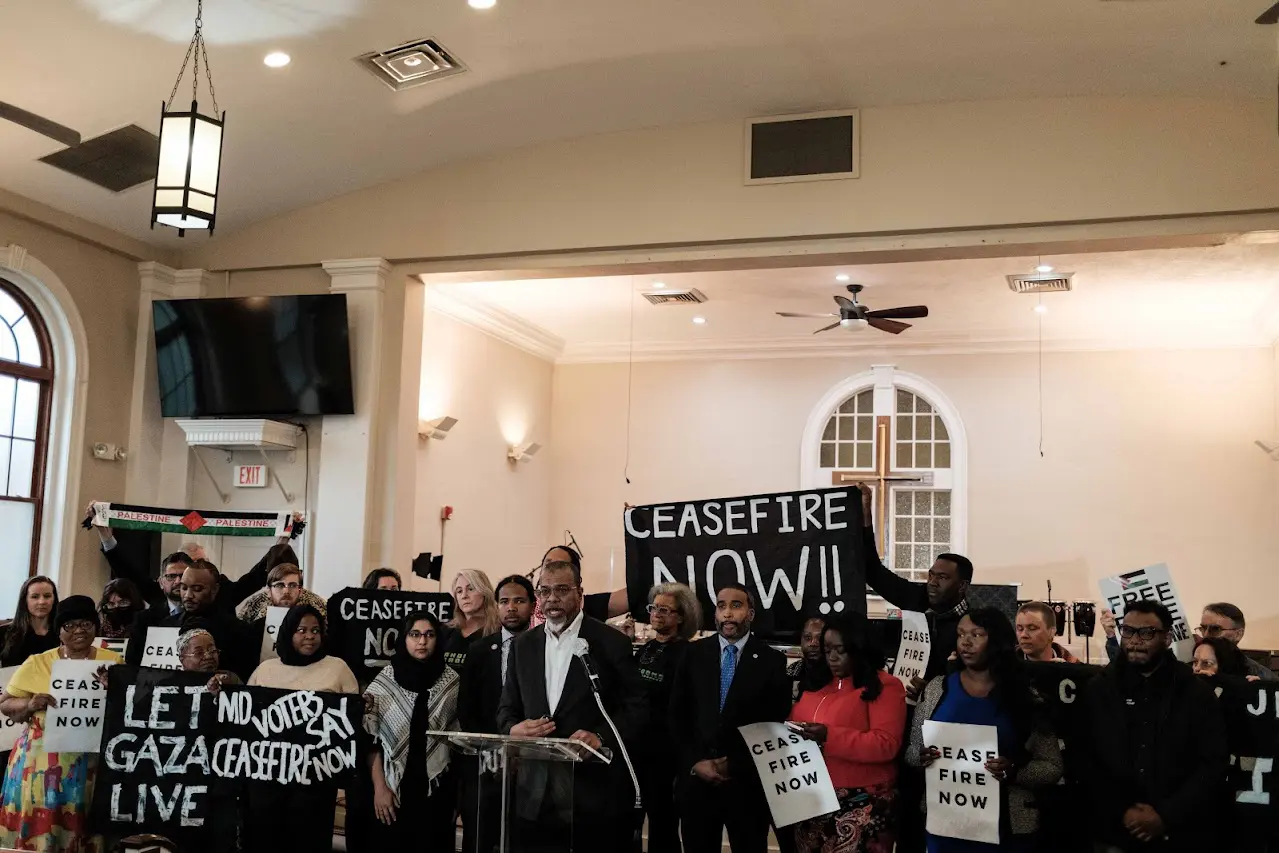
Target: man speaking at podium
(551,677)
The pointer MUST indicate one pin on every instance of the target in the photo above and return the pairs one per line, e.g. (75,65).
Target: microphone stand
(594,678)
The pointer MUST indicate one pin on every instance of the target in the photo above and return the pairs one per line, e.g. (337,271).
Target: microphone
(572,540)
(583,651)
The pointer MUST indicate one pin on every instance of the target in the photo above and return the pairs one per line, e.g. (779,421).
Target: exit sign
(250,476)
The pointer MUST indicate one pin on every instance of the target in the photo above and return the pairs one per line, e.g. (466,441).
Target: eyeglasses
(174,578)
(1128,632)
(421,635)
(201,654)
(1212,630)
(79,626)
(558,591)
(659,610)
(314,632)
(281,586)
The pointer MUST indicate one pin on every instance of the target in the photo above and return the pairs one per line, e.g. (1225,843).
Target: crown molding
(353,274)
(778,348)
(497,322)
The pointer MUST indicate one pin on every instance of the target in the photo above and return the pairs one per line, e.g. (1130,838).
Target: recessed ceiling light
(481,4)
(842,277)
(699,321)
(659,284)
(276,60)
(1041,309)
(413,61)
(1044,268)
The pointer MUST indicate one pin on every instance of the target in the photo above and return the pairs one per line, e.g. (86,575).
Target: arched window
(898,433)
(26,380)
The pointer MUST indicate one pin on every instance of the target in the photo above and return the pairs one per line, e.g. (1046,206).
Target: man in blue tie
(726,681)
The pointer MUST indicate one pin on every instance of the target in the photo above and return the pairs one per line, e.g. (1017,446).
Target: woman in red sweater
(859,718)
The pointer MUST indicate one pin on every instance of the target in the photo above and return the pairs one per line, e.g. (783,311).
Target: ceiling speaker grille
(1041,282)
(692,296)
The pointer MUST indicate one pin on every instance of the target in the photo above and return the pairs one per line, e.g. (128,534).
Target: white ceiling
(1224,296)
(539,71)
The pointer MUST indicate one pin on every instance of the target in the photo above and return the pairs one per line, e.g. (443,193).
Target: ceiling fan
(853,315)
(1270,16)
(40,124)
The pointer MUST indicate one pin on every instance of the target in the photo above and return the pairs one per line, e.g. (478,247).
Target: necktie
(506,655)
(727,666)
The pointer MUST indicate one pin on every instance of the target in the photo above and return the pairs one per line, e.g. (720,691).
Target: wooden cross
(880,477)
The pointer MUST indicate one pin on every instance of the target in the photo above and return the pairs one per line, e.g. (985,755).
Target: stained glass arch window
(26,383)
(898,433)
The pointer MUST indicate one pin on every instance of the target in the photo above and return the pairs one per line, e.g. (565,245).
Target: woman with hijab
(414,788)
(296,817)
(46,795)
(121,601)
(29,633)
(474,616)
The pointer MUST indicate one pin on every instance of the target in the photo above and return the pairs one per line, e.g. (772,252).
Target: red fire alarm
(446,513)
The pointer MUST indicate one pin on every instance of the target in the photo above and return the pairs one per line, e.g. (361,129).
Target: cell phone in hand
(795,727)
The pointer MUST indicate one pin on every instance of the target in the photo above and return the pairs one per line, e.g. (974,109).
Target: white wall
(500,396)
(1148,456)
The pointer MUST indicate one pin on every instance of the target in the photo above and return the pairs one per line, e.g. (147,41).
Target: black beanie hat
(75,608)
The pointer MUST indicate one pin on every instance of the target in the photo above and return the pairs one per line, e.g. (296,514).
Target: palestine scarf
(410,695)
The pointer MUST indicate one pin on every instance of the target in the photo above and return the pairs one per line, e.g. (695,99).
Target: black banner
(174,757)
(800,554)
(364,624)
(1252,727)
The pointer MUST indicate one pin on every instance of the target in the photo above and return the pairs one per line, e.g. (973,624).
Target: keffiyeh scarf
(254,607)
(391,721)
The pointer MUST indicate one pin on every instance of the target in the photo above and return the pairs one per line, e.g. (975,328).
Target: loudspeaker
(1085,618)
(1059,612)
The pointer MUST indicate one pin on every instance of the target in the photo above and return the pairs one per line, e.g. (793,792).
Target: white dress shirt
(559,657)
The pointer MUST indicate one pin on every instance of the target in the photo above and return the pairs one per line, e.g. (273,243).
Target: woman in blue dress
(990,688)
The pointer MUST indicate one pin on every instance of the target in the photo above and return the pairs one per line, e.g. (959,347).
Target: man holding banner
(1156,742)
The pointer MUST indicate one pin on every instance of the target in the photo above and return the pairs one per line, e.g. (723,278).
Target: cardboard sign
(800,554)
(274,616)
(161,649)
(75,723)
(792,771)
(962,797)
(364,624)
(1153,583)
(913,651)
(9,730)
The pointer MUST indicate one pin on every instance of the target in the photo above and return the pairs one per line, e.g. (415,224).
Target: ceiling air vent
(411,64)
(115,161)
(1055,282)
(691,296)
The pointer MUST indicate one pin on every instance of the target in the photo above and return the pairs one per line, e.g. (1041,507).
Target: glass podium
(525,790)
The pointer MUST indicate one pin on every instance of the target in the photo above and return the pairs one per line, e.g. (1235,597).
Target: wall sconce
(523,452)
(438,428)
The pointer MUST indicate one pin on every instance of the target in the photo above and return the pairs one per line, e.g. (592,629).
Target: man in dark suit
(199,590)
(548,693)
(478,699)
(726,681)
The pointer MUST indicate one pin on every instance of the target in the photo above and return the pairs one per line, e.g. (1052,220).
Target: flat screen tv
(257,356)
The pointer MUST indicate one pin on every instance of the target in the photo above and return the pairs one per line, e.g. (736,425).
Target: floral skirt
(863,824)
(46,797)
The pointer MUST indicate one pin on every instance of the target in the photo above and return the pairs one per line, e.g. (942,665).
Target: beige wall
(500,396)
(929,166)
(1148,457)
(103,284)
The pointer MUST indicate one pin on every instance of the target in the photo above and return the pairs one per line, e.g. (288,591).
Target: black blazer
(480,693)
(597,789)
(239,652)
(760,693)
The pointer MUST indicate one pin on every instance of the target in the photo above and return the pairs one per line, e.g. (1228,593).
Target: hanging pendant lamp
(186,178)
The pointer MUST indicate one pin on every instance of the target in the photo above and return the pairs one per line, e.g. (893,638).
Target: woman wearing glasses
(675,617)
(414,787)
(47,794)
(296,817)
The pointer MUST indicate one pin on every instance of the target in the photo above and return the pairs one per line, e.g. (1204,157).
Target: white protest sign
(274,616)
(161,650)
(74,724)
(912,652)
(9,730)
(1153,583)
(963,798)
(792,771)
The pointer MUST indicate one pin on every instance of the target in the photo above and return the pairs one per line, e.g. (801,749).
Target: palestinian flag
(204,522)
